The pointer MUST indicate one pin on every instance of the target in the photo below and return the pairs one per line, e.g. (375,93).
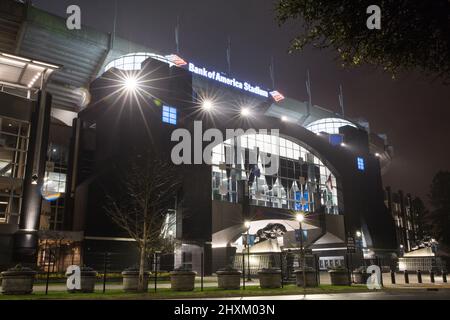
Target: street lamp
(247,226)
(300,217)
(358,234)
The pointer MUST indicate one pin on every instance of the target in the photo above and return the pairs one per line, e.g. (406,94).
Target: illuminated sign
(176,60)
(219,77)
(277,96)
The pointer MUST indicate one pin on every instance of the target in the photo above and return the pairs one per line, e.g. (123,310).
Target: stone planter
(311,278)
(360,277)
(18,282)
(182,280)
(229,280)
(270,278)
(88,279)
(339,278)
(131,281)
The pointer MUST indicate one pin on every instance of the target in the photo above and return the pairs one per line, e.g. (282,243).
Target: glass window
(302,182)
(329,125)
(169,115)
(361,164)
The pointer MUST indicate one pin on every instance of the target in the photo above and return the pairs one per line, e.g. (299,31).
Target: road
(411,294)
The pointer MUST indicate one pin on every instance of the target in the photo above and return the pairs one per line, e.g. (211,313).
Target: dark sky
(413,111)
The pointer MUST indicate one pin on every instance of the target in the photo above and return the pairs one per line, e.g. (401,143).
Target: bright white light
(207,105)
(131,83)
(358,234)
(245,112)
(377,155)
(343,144)
(284,119)
(300,217)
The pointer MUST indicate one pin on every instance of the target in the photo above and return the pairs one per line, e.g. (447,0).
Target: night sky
(412,110)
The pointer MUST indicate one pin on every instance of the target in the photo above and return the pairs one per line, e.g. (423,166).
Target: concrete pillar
(26,239)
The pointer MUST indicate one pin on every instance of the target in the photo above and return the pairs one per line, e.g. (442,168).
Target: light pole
(247,225)
(300,218)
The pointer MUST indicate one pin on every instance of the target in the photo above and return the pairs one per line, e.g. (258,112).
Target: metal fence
(287,262)
(118,262)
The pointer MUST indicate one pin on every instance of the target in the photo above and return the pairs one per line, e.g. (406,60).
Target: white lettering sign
(217,76)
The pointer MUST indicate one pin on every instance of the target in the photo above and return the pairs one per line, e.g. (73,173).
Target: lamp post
(300,218)
(247,225)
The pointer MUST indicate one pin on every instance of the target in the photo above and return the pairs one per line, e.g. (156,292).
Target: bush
(183,268)
(338,269)
(361,269)
(20,268)
(228,268)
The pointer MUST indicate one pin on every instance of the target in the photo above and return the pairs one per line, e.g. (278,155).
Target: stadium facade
(65,128)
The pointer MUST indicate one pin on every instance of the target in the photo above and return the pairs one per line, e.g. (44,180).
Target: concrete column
(26,239)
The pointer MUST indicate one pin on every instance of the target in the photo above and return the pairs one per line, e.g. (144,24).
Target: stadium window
(361,164)
(336,139)
(169,115)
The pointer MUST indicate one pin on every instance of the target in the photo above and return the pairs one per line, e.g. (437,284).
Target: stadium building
(65,126)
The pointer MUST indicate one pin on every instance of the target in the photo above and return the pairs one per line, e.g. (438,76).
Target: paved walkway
(383,295)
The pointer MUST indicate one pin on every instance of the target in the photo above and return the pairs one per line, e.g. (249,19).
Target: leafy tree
(147,190)
(414,34)
(439,217)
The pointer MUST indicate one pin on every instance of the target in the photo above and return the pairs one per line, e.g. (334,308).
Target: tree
(413,35)
(141,202)
(439,217)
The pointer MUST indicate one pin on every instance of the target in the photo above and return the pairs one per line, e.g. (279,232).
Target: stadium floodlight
(207,105)
(131,83)
(245,112)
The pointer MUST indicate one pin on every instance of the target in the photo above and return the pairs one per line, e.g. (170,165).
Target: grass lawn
(169,294)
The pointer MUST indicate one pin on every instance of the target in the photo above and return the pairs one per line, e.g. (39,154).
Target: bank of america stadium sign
(217,76)
(220,77)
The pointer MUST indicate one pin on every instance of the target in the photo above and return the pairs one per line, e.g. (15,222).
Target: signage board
(351,245)
(233,82)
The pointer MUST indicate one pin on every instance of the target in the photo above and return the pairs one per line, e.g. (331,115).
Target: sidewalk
(211,282)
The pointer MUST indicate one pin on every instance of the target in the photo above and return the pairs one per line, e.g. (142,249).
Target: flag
(277,96)
(341,100)
(329,183)
(272,72)
(308,85)
(177,35)
(229,55)
(176,60)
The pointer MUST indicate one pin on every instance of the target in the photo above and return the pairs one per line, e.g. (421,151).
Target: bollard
(419,276)
(281,267)
(406,277)
(392,276)
(432,276)
(444,276)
